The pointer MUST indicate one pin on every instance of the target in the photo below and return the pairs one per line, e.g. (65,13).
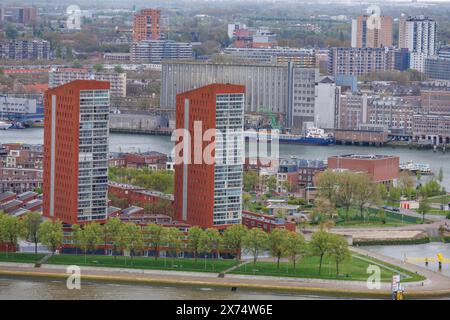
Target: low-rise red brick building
(265,222)
(381,168)
(137,196)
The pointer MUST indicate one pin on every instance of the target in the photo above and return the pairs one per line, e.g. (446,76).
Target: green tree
(294,246)
(11,32)
(194,236)
(98,67)
(320,245)
(424,208)
(405,181)
(246,199)
(51,234)
(109,229)
(153,237)
(93,233)
(233,238)
(326,185)
(323,209)
(271,183)
(88,237)
(345,193)
(276,244)
(119,69)
(250,180)
(173,238)
(32,222)
(135,240)
(210,241)
(366,192)
(12,230)
(338,250)
(394,194)
(255,241)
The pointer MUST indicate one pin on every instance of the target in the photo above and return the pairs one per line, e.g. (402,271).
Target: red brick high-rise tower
(210,194)
(76,132)
(147,25)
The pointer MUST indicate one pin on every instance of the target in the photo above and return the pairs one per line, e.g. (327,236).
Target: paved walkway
(435,285)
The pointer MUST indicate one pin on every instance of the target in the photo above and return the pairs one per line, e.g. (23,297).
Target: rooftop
(6,195)
(131,210)
(364,156)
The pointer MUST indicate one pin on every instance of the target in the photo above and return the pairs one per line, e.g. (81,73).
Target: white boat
(5,125)
(424,168)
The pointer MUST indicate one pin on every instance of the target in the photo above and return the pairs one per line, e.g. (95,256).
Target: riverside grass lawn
(354,268)
(20,257)
(307,267)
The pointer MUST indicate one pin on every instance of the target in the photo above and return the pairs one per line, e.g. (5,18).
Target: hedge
(390,242)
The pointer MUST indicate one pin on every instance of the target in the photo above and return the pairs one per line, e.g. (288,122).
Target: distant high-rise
(360,61)
(419,36)
(33,49)
(24,15)
(75,182)
(370,32)
(209,193)
(147,25)
(281,89)
(155,51)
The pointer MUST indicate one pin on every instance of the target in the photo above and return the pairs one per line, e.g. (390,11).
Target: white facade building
(325,108)
(118,81)
(11,105)
(229,149)
(93,155)
(419,36)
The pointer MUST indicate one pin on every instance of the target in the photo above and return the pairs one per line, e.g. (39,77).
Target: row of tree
(120,237)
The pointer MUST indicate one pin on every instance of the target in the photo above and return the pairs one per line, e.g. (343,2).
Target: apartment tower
(368,32)
(147,25)
(75,181)
(208,192)
(419,36)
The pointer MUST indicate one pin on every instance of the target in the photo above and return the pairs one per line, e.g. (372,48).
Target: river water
(19,289)
(142,143)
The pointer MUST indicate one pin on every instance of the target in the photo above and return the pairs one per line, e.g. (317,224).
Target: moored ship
(313,136)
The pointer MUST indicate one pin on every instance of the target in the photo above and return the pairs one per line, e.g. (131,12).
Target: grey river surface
(142,143)
(18,289)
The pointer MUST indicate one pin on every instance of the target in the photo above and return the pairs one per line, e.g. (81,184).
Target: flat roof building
(369,32)
(208,191)
(75,184)
(147,25)
(283,90)
(381,168)
(118,81)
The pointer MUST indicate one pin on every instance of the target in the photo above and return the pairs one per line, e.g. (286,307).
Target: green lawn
(21,257)
(438,199)
(437,212)
(179,264)
(308,267)
(374,219)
